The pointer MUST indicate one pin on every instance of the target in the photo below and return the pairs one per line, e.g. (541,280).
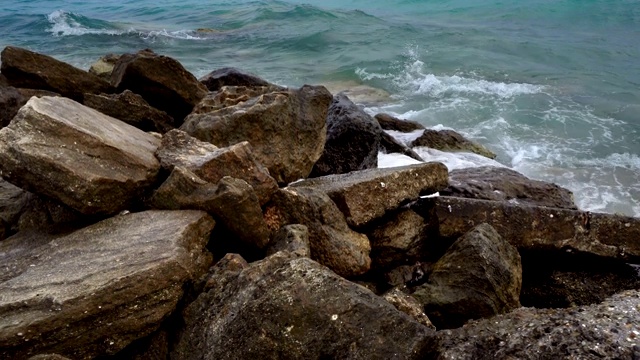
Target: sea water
(552,87)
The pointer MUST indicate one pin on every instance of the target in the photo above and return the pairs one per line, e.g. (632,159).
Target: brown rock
(231,96)
(408,305)
(3,81)
(292,238)
(388,145)
(10,102)
(48,216)
(388,122)
(13,202)
(104,66)
(449,140)
(230,76)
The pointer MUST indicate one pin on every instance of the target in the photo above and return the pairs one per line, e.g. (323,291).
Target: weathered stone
(408,305)
(408,275)
(27,69)
(449,140)
(231,201)
(48,216)
(292,238)
(366,195)
(231,96)
(502,184)
(230,76)
(96,290)
(604,331)
(286,129)
(49,357)
(132,109)
(13,201)
(479,276)
(91,162)
(162,81)
(353,140)
(10,102)
(332,243)
(388,122)
(388,145)
(530,227)
(212,163)
(305,312)
(104,66)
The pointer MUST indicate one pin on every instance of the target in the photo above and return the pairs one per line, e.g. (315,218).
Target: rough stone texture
(49,357)
(292,238)
(3,81)
(366,195)
(530,227)
(51,217)
(388,145)
(96,290)
(332,242)
(212,163)
(408,275)
(606,331)
(286,129)
(13,201)
(502,184)
(10,102)
(449,140)
(132,109)
(104,66)
(231,96)
(231,201)
(353,140)
(305,312)
(408,305)
(91,162)
(27,69)
(388,122)
(162,81)
(230,76)
(479,276)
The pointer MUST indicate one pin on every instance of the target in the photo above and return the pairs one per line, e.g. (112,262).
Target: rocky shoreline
(147,214)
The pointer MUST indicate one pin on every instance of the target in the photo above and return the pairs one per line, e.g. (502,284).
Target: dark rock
(98,289)
(353,140)
(49,357)
(292,238)
(27,69)
(10,102)
(388,145)
(3,81)
(293,308)
(408,305)
(162,81)
(332,242)
(408,275)
(51,217)
(86,160)
(231,96)
(104,66)
(366,195)
(479,276)
(230,76)
(449,140)
(13,202)
(286,129)
(29,93)
(502,184)
(388,122)
(212,163)
(132,109)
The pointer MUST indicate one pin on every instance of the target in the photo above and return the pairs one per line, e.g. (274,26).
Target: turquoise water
(553,87)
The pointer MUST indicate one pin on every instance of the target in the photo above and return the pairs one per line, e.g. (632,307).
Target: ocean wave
(69,24)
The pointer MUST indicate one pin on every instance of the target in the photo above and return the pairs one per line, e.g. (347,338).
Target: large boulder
(293,308)
(479,276)
(449,140)
(27,69)
(332,242)
(162,81)
(230,76)
(367,195)
(286,129)
(353,140)
(502,184)
(388,122)
(292,238)
(212,163)
(64,150)
(94,291)
(10,102)
(231,96)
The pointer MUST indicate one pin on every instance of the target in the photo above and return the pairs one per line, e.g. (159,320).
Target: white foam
(395,160)
(63,24)
(404,137)
(455,160)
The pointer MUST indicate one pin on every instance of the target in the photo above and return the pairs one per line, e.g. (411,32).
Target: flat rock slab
(368,194)
(91,162)
(98,289)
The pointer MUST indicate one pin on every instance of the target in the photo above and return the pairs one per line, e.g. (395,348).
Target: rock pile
(147,214)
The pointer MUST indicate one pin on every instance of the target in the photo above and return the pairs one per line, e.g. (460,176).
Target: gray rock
(230,76)
(367,195)
(231,96)
(479,276)
(388,145)
(98,289)
(388,122)
(292,238)
(449,140)
(104,66)
(91,162)
(408,305)
(293,308)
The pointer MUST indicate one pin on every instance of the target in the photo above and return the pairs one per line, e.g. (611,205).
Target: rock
(408,305)
(10,102)
(91,162)
(50,217)
(408,275)
(104,66)
(353,140)
(29,93)
(604,331)
(212,163)
(230,76)
(96,290)
(529,227)
(13,201)
(27,69)
(292,238)
(49,357)
(502,184)
(388,145)
(388,122)
(449,140)
(231,201)
(479,276)
(285,128)
(162,81)
(132,109)
(363,196)
(3,81)
(304,311)
(332,243)
(230,96)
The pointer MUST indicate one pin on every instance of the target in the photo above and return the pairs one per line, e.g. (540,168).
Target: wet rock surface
(449,140)
(388,122)
(230,76)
